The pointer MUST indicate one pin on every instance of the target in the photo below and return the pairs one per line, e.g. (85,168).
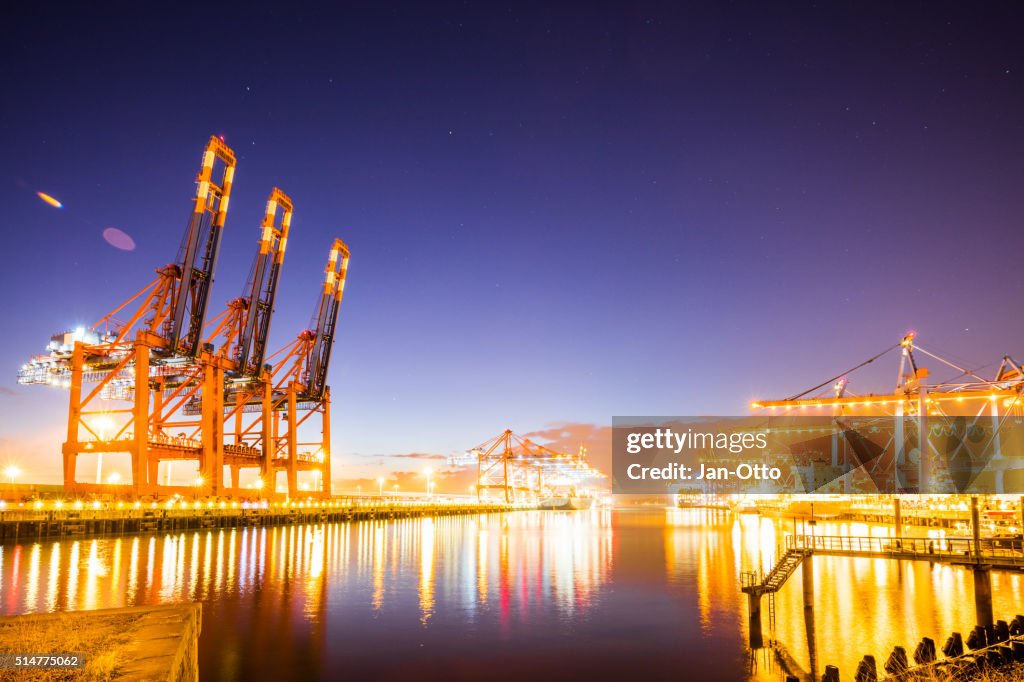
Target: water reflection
(538,594)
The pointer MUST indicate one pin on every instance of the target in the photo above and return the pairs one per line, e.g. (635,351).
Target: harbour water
(523,595)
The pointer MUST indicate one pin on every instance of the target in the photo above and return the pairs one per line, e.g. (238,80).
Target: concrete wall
(164,644)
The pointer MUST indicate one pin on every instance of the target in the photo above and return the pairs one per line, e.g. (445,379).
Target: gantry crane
(523,470)
(980,402)
(230,372)
(295,390)
(114,361)
(187,396)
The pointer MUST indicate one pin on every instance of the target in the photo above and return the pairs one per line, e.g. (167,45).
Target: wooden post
(975,529)
(983,597)
(899,517)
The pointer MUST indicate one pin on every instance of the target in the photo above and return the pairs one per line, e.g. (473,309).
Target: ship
(820,507)
(565,503)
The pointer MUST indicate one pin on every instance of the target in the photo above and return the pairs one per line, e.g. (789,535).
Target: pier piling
(808,581)
(983,597)
(866,670)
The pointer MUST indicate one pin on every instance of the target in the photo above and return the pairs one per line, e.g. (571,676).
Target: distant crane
(519,469)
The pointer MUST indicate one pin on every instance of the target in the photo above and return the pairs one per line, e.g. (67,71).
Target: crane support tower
(300,392)
(225,376)
(109,368)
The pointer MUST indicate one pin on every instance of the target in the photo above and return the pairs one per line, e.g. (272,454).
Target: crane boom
(202,244)
(167,314)
(266,271)
(326,320)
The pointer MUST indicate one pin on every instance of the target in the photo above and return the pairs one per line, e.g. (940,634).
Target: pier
(994,552)
(36,524)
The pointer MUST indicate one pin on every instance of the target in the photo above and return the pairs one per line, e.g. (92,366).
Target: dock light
(38,504)
(58,504)
(96,504)
(258,484)
(12,472)
(78,504)
(199,481)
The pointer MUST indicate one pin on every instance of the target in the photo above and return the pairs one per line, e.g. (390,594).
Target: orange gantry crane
(233,372)
(518,469)
(300,388)
(151,386)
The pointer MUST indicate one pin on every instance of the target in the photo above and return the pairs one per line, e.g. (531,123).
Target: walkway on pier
(991,552)
(995,552)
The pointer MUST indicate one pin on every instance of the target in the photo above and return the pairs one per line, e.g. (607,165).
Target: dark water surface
(527,595)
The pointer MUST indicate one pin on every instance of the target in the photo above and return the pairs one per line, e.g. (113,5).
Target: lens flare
(50,200)
(118,239)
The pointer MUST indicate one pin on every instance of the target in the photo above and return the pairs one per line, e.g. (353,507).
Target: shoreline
(32,525)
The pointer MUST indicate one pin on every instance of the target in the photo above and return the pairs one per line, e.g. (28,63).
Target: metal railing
(949,548)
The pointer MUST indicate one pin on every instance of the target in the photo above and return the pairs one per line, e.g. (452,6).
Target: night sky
(556,214)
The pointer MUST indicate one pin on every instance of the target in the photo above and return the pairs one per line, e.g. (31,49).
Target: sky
(555,215)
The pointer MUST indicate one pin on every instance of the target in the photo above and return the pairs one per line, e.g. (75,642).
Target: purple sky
(555,215)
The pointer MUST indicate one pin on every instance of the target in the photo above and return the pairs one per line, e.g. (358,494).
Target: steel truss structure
(981,401)
(151,386)
(524,471)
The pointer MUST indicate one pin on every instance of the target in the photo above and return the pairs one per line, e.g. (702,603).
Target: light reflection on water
(544,595)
